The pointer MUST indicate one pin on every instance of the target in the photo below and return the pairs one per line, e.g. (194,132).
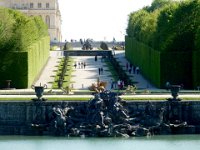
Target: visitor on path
(102,70)
(84,65)
(119,84)
(115,84)
(129,70)
(99,71)
(75,65)
(95,58)
(111,84)
(137,70)
(79,65)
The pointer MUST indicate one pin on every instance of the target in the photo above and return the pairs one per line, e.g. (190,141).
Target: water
(180,142)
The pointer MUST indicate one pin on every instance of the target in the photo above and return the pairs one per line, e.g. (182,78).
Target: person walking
(95,58)
(102,70)
(75,65)
(79,65)
(99,71)
(119,84)
(84,65)
(111,84)
(137,70)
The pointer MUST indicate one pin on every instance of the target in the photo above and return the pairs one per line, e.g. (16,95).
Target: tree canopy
(167,25)
(18,31)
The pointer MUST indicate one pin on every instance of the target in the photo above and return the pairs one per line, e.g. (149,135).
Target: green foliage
(197,39)
(68,46)
(195,68)
(164,40)
(24,47)
(103,46)
(167,25)
(144,56)
(160,67)
(18,31)
(23,67)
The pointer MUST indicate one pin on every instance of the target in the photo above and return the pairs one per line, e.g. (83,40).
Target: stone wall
(18,118)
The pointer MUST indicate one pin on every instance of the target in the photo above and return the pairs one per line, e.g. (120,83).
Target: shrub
(103,46)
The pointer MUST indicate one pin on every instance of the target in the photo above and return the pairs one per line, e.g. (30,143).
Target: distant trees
(24,47)
(167,25)
(164,40)
(18,31)
(103,46)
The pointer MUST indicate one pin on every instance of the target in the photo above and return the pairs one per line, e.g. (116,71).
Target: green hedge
(176,68)
(160,67)
(196,68)
(23,67)
(167,25)
(37,58)
(145,57)
(24,47)
(15,68)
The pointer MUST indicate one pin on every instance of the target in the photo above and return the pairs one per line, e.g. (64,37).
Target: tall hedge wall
(176,68)
(168,31)
(37,58)
(23,67)
(160,67)
(196,68)
(15,67)
(145,57)
(24,47)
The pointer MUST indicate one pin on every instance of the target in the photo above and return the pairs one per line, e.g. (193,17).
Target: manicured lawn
(66,82)
(48,99)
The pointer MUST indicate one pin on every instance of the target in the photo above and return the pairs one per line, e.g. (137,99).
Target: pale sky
(97,19)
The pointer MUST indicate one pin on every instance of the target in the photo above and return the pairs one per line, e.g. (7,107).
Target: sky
(100,20)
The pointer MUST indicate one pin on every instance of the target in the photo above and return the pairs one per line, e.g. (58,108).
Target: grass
(48,99)
(68,74)
(56,78)
(66,82)
(86,99)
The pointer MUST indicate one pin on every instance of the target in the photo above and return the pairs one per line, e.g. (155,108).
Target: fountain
(107,115)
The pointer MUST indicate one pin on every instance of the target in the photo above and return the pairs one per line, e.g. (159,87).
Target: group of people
(117,84)
(101,71)
(132,69)
(80,65)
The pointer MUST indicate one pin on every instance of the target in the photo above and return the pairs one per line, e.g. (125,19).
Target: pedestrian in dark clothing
(79,65)
(112,84)
(129,70)
(137,70)
(99,71)
(95,58)
(75,65)
(84,64)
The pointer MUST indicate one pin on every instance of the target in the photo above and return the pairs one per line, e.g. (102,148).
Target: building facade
(47,9)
